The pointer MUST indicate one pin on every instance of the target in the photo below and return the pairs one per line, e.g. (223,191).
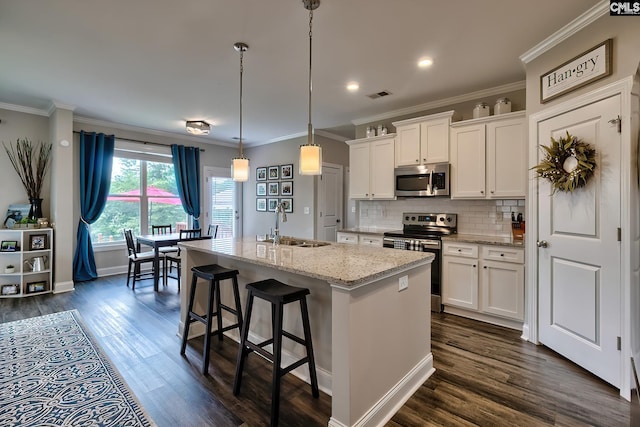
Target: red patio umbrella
(158,195)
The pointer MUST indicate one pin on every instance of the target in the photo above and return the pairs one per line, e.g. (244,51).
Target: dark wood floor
(485,375)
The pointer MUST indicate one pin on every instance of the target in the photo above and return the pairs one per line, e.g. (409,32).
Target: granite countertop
(484,240)
(366,230)
(337,263)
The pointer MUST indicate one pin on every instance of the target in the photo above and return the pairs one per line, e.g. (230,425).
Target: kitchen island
(372,339)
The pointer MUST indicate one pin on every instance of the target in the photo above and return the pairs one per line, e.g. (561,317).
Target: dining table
(157,241)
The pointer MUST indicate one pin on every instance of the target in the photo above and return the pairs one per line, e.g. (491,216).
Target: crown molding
(581,22)
(113,125)
(320,132)
(55,105)
(446,102)
(23,109)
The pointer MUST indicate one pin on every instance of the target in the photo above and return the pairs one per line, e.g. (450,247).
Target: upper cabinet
(489,157)
(371,167)
(423,140)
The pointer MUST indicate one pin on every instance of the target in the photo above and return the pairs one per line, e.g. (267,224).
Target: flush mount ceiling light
(240,164)
(198,127)
(310,153)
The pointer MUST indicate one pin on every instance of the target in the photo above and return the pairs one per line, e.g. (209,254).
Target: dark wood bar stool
(213,273)
(278,294)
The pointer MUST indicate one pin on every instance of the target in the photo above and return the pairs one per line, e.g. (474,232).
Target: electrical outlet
(403,283)
(353,209)
(306,210)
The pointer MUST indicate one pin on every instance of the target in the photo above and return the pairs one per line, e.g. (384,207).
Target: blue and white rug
(54,373)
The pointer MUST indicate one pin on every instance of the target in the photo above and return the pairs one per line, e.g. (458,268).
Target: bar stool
(278,294)
(213,273)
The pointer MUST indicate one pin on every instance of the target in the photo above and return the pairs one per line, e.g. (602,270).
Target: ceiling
(154,65)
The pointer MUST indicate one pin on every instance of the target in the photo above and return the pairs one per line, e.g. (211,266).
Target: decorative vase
(35,211)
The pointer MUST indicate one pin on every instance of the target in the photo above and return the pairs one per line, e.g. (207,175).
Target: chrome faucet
(276,232)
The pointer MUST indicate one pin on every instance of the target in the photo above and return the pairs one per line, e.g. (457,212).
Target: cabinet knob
(417,160)
(474,266)
(459,250)
(481,191)
(424,160)
(484,266)
(501,254)
(492,191)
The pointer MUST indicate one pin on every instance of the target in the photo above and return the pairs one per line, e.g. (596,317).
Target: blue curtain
(96,162)
(186,164)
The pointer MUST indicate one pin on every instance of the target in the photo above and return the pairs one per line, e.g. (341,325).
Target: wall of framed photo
(274,184)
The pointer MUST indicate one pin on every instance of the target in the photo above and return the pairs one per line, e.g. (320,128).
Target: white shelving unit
(29,244)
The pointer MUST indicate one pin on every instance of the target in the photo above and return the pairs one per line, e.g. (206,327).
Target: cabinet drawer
(370,240)
(503,253)
(460,249)
(348,238)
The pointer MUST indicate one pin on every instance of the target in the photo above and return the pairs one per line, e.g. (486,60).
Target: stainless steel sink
(290,241)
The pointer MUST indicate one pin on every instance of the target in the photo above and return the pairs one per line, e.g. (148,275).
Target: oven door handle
(430,244)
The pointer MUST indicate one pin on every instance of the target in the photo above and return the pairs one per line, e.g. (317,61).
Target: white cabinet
(22,249)
(424,139)
(371,163)
(485,281)
(343,237)
(359,238)
(489,158)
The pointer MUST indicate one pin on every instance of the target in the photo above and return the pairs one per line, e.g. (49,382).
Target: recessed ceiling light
(353,86)
(425,62)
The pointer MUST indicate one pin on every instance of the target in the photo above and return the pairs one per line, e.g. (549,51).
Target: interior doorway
(329,187)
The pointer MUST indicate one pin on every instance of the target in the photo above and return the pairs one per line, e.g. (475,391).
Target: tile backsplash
(483,217)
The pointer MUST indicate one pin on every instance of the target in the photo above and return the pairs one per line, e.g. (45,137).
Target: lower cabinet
(485,281)
(359,238)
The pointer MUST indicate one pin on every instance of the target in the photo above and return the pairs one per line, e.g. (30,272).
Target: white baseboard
(60,287)
(392,401)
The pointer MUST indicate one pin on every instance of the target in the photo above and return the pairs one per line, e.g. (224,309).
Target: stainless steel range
(423,232)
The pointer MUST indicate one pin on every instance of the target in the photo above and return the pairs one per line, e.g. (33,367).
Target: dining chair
(195,233)
(163,251)
(136,259)
(213,231)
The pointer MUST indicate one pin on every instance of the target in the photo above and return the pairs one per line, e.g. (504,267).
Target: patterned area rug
(53,373)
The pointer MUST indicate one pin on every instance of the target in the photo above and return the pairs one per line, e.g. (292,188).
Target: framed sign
(585,68)
(37,241)
(9,245)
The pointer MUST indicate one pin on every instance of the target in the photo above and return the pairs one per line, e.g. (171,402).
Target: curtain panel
(186,164)
(96,162)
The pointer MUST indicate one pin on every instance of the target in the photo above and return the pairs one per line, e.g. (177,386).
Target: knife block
(517,230)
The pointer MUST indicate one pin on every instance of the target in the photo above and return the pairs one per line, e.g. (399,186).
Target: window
(143,192)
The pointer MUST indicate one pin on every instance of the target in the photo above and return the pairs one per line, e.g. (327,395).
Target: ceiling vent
(379,94)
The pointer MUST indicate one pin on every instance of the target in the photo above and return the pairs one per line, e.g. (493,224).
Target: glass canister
(503,105)
(481,110)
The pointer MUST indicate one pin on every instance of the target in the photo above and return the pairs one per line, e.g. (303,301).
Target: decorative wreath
(569,163)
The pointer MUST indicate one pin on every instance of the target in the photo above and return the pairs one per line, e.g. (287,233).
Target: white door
(222,202)
(579,269)
(330,195)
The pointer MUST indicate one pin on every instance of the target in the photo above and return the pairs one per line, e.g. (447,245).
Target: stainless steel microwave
(422,181)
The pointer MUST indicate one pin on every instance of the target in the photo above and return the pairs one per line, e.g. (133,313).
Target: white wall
(298,223)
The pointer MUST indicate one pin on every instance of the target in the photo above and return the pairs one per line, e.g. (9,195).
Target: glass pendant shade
(310,160)
(240,169)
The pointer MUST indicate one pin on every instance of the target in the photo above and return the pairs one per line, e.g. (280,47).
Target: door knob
(542,244)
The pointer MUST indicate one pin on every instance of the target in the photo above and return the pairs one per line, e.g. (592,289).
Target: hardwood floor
(485,375)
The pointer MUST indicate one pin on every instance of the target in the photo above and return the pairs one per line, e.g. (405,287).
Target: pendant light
(310,153)
(240,164)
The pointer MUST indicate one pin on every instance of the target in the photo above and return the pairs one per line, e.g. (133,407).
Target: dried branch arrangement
(31,163)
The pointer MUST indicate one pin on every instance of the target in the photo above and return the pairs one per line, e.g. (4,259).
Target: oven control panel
(448,220)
